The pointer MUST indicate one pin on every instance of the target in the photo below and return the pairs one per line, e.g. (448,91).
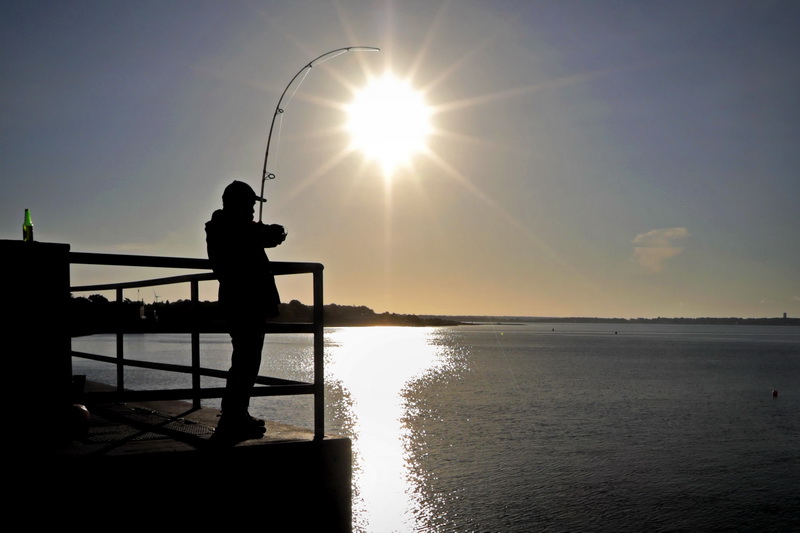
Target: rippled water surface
(563,427)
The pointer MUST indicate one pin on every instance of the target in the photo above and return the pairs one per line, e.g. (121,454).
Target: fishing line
(271,175)
(505,357)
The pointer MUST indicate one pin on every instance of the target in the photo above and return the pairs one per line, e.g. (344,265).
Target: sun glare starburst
(389,122)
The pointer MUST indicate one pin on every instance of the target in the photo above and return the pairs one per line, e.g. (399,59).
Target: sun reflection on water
(374,366)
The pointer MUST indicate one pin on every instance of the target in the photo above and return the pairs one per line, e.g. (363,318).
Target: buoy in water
(775,394)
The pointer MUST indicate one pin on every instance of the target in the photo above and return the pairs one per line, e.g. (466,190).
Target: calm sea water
(526,428)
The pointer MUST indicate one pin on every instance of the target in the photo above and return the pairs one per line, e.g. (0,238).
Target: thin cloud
(653,248)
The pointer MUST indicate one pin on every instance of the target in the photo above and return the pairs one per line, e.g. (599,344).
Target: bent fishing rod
(265,175)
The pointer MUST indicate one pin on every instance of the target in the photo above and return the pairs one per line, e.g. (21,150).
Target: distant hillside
(347,315)
(775,321)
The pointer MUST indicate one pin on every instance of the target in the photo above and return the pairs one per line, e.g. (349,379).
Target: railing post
(319,357)
(120,345)
(195,345)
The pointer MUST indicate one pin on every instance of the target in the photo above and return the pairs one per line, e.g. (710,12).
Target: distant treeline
(96,314)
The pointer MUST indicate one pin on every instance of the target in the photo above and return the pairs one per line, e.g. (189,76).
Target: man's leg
(236,424)
(245,364)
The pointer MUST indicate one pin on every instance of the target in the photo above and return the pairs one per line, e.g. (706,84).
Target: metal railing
(265,386)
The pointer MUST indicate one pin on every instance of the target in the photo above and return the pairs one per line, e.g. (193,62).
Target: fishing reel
(273,235)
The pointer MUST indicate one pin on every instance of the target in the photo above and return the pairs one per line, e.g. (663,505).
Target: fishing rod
(279,109)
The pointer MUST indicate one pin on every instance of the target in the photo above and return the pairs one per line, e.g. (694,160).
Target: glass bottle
(27,227)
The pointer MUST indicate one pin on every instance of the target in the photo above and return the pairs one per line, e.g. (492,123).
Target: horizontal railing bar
(182,394)
(280,268)
(183,369)
(145,283)
(214,328)
(87,258)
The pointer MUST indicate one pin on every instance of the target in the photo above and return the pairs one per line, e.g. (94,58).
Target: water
(566,427)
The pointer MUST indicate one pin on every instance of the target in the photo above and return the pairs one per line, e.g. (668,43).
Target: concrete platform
(140,455)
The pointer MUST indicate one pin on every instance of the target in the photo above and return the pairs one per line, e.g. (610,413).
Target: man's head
(240,197)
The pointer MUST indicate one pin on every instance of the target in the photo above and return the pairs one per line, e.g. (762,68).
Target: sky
(598,158)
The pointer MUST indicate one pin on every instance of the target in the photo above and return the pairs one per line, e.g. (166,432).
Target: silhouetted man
(247,296)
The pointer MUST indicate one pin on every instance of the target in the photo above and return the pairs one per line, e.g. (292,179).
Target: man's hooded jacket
(247,290)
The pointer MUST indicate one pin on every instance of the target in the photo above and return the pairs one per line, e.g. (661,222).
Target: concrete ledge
(287,479)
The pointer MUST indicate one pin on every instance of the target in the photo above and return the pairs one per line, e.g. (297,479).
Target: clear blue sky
(589,158)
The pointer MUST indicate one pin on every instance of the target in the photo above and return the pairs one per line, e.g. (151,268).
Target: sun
(389,122)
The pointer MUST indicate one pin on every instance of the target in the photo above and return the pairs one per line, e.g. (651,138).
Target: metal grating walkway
(114,423)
